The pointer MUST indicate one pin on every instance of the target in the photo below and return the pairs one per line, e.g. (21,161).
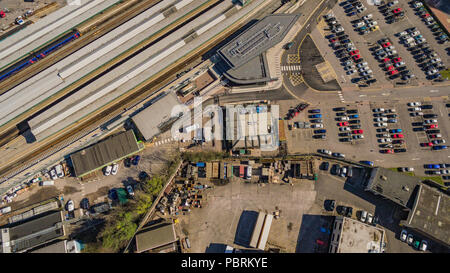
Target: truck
(5,210)
(47,183)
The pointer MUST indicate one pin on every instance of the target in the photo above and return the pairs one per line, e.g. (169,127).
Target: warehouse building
(351,236)
(30,234)
(157,238)
(105,153)
(244,58)
(157,117)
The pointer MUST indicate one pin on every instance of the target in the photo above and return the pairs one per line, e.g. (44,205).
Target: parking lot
(301,141)
(359,32)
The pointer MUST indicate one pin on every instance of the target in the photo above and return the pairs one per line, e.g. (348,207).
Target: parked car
(130,190)
(115,168)
(135,160)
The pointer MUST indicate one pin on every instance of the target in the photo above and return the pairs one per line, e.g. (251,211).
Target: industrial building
(105,152)
(244,58)
(157,238)
(157,117)
(352,236)
(64,246)
(261,231)
(30,234)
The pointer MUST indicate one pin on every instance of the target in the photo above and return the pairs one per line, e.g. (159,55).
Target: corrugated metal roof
(104,153)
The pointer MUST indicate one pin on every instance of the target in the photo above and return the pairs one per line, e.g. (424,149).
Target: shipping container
(241,171)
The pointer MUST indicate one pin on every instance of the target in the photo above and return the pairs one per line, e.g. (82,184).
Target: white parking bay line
(417,158)
(434,91)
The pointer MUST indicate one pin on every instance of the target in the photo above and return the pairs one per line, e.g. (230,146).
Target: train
(33,57)
(72,35)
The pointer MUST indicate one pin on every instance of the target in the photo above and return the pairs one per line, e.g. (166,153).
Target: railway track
(89,34)
(102,115)
(84,81)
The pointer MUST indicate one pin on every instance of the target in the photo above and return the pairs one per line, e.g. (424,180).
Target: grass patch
(436,179)
(406,173)
(446,74)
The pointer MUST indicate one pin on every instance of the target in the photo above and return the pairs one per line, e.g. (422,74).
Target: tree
(120,230)
(143,203)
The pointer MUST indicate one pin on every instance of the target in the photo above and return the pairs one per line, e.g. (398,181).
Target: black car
(392,116)
(437,131)
(401,150)
(341,114)
(345,139)
(325,166)
(427,106)
(335,169)
(345,134)
(354,121)
(338,109)
(84,204)
(349,212)
(356,126)
(143,176)
(352,111)
(329,205)
(342,210)
(127,162)
(430,116)
(319,136)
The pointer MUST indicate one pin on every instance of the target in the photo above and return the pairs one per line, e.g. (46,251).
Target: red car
(345,123)
(333,40)
(393,72)
(397,136)
(425,15)
(397,10)
(354,52)
(2,14)
(356,57)
(387,151)
(433,136)
(357,131)
(386,44)
(396,60)
(390,68)
(431,126)
(427,144)
(386,60)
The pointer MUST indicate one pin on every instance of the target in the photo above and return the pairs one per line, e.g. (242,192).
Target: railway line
(88,31)
(37,106)
(100,116)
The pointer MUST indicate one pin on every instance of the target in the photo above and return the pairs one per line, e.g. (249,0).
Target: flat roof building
(105,152)
(244,59)
(430,214)
(63,246)
(21,237)
(352,236)
(152,120)
(395,186)
(155,236)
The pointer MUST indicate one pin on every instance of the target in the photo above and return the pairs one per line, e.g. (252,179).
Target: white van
(363,216)
(107,170)
(59,171)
